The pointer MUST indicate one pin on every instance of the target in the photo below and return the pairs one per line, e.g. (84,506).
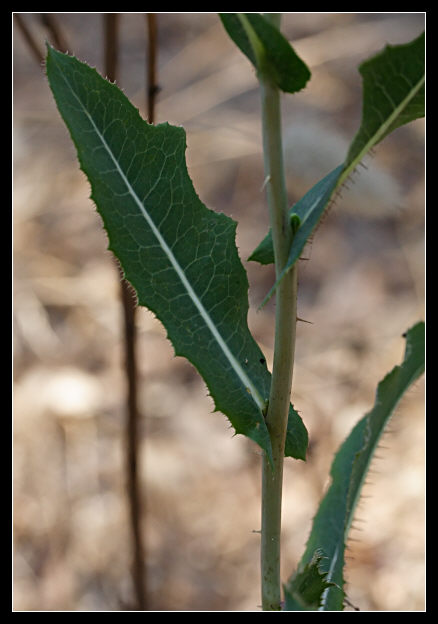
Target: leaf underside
(349,468)
(180,257)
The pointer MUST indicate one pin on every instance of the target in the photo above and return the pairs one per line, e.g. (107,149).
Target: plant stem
(273,18)
(285,328)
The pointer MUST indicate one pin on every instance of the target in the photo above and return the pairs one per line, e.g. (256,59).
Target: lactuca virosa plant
(181,259)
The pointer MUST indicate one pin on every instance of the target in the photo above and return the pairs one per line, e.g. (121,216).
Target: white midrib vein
(246,381)
(329,578)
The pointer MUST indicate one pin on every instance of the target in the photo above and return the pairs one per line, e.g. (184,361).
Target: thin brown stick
(28,37)
(151,78)
(131,372)
(111,31)
(132,442)
(53,27)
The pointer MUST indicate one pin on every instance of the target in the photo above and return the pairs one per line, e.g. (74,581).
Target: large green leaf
(267,49)
(180,257)
(333,520)
(393,95)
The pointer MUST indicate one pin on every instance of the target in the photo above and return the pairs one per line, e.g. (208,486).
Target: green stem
(273,18)
(285,327)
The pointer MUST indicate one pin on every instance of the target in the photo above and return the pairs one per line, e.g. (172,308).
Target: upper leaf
(393,95)
(335,514)
(267,49)
(180,257)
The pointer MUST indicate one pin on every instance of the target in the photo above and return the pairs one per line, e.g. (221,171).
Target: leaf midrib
(240,372)
(370,450)
(375,138)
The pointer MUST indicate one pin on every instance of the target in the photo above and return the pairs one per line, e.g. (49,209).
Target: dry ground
(361,289)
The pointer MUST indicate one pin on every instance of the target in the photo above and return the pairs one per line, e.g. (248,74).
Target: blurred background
(361,287)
